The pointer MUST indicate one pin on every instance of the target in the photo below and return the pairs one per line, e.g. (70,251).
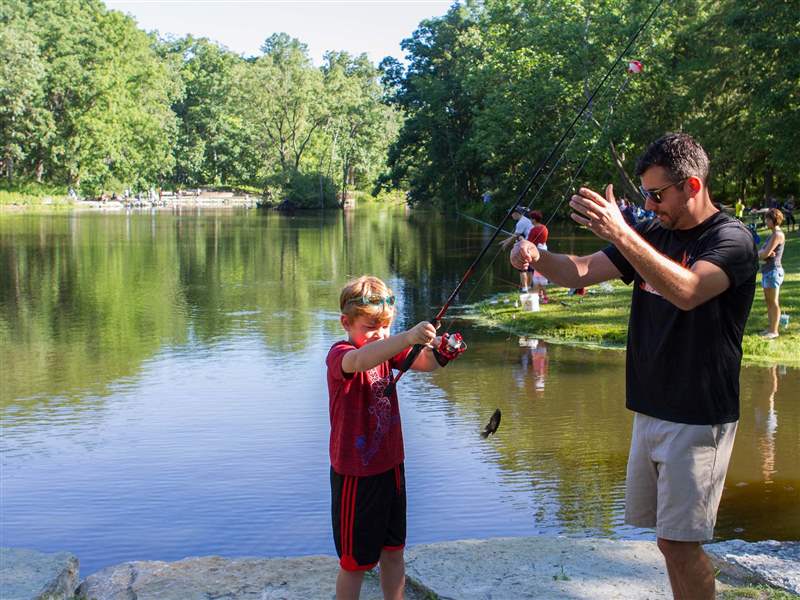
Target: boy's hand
(422,333)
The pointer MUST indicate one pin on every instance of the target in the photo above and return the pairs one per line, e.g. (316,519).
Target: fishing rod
(437,319)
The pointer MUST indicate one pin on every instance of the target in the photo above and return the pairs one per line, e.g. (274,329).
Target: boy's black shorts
(369,515)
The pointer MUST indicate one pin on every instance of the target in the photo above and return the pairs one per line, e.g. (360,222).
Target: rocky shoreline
(500,568)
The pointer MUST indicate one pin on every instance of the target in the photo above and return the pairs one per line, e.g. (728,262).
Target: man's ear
(694,184)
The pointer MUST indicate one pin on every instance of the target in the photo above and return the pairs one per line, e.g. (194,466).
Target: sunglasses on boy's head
(655,195)
(374,300)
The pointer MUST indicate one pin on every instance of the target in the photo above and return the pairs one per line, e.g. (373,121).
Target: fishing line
(412,355)
(623,85)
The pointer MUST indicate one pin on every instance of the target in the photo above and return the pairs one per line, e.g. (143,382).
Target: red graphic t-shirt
(366,437)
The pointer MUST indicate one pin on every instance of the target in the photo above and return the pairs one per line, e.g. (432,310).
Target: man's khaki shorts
(676,473)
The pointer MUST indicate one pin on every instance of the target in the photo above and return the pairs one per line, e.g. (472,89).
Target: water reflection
(162,392)
(533,362)
(767,423)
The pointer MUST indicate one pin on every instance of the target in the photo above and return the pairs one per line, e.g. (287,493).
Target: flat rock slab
(774,563)
(201,578)
(31,575)
(540,567)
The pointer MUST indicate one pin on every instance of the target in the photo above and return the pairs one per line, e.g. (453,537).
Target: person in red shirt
(366,443)
(538,235)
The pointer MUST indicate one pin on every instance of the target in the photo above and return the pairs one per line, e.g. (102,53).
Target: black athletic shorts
(369,515)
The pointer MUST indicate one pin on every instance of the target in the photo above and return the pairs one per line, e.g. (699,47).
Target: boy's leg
(393,570)
(393,574)
(348,584)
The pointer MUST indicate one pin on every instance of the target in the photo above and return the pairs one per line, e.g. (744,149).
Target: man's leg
(692,463)
(348,584)
(393,574)
(691,573)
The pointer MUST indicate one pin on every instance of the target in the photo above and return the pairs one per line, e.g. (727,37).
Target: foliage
(88,100)
(491,86)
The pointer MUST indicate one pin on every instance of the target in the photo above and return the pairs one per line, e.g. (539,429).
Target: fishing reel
(451,346)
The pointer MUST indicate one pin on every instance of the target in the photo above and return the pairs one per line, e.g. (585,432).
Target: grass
(32,194)
(601,317)
(755,592)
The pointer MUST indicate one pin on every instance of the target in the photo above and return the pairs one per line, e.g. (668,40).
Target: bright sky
(373,26)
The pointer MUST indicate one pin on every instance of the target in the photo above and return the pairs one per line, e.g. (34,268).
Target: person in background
(627,211)
(521,231)
(772,270)
(538,235)
(788,212)
(738,209)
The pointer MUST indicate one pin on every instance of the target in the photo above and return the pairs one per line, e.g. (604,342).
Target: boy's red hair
(366,286)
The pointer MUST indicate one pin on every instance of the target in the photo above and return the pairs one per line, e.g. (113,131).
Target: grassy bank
(32,195)
(601,317)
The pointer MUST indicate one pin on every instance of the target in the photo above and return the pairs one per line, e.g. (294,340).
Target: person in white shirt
(521,231)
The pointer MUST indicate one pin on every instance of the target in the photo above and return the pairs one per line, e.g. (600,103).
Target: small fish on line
(492,425)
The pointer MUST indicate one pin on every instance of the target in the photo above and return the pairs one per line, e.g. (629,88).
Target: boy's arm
(426,361)
(442,350)
(372,354)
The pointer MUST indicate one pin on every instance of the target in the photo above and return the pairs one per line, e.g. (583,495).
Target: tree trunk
(631,189)
(39,171)
(768,185)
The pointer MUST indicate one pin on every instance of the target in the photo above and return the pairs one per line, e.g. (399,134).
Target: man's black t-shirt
(683,366)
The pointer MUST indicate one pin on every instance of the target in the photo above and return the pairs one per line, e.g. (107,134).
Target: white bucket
(529,302)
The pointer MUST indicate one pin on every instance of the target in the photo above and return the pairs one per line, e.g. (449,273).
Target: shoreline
(517,567)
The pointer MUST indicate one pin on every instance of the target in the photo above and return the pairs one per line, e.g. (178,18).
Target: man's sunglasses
(374,300)
(655,195)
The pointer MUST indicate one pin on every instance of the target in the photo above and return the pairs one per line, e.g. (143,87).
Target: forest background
(90,101)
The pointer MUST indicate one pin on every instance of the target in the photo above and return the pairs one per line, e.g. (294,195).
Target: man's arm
(685,288)
(564,269)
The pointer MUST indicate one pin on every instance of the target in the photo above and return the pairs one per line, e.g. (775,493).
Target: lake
(163,392)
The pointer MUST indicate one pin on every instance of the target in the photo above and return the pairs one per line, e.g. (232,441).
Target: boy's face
(364,329)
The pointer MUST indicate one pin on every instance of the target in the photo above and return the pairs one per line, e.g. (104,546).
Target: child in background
(366,444)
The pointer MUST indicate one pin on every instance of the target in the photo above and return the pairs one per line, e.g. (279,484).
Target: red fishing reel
(451,346)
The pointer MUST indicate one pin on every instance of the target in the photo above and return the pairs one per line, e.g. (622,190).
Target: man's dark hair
(679,154)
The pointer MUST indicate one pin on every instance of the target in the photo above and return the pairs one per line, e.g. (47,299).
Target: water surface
(163,392)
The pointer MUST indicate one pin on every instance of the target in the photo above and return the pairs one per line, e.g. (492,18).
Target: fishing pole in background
(437,319)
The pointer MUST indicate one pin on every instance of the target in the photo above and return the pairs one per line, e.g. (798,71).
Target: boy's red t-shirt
(366,437)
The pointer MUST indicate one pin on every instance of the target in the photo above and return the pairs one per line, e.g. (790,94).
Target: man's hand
(523,254)
(601,215)
(422,333)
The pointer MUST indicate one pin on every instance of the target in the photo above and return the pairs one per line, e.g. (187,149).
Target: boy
(366,445)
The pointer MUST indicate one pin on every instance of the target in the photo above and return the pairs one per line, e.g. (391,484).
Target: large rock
(305,578)
(773,563)
(540,567)
(31,575)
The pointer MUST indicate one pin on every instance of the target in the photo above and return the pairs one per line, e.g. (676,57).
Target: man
(521,231)
(693,269)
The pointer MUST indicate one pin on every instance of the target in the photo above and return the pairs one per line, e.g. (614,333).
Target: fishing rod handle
(411,357)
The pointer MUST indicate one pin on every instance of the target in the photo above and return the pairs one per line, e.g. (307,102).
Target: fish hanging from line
(492,425)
